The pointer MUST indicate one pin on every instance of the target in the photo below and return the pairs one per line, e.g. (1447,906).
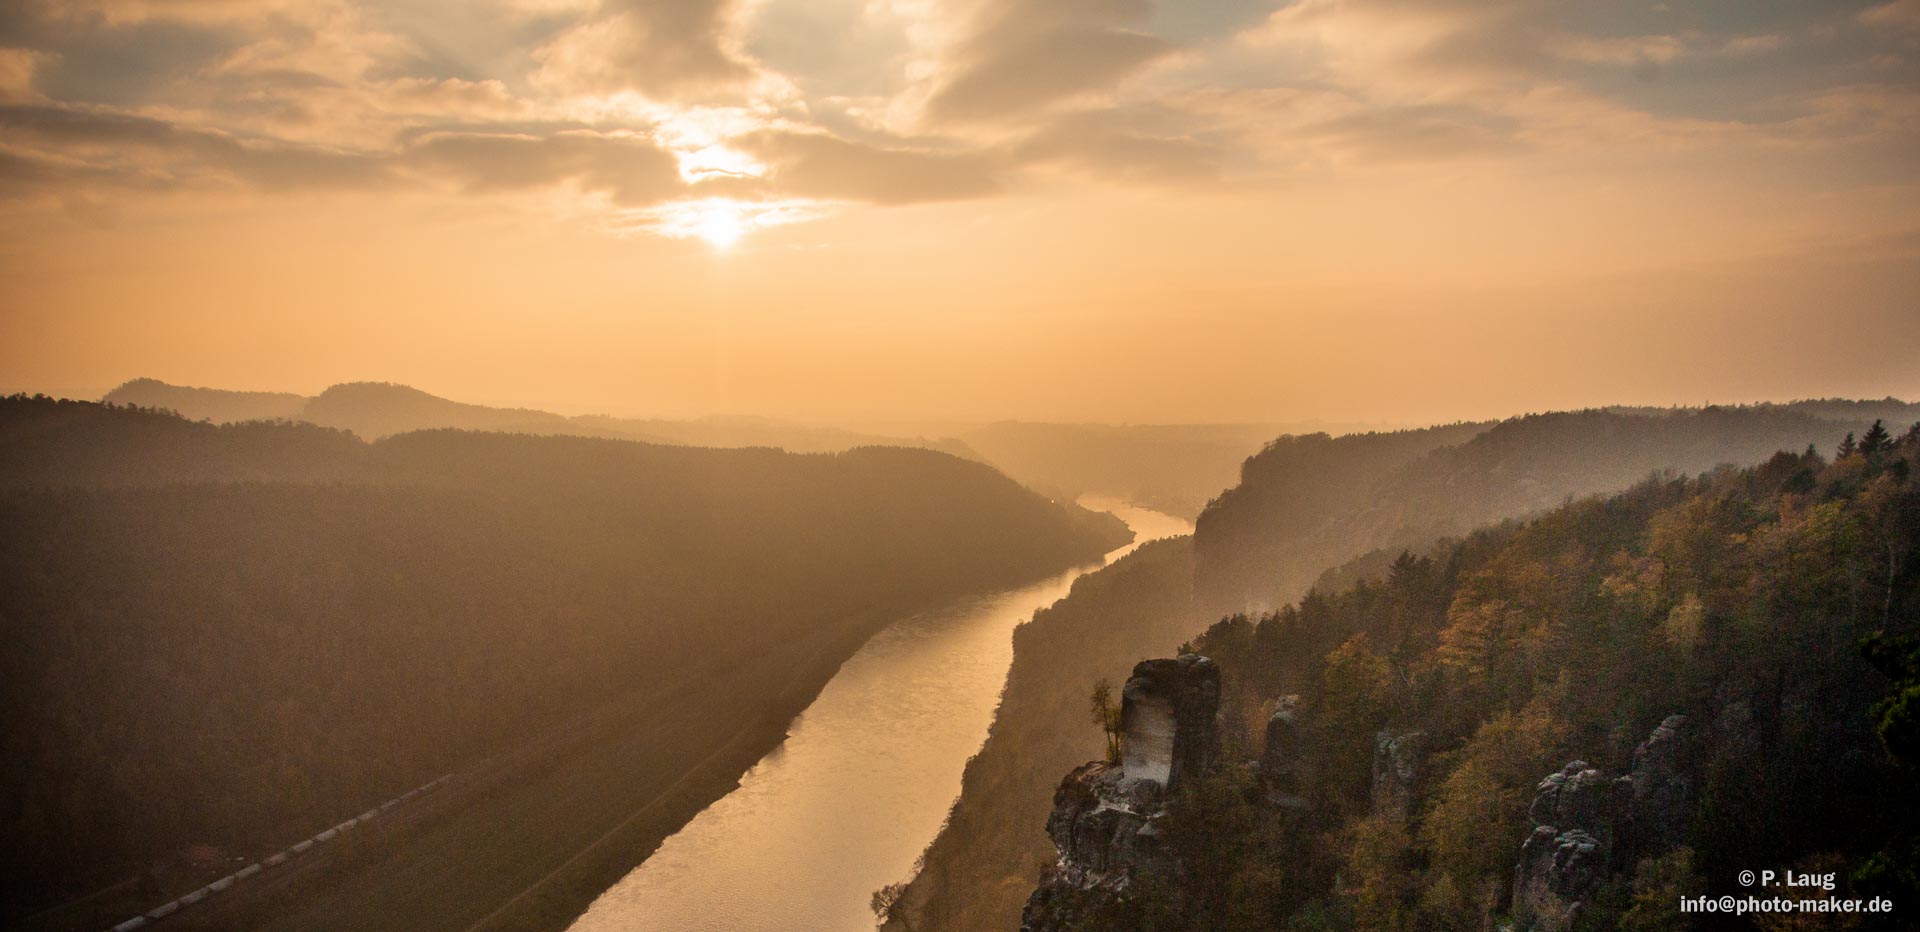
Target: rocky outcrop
(1105,819)
(1577,797)
(1282,762)
(1660,798)
(1564,860)
(1101,823)
(1584,823)
(1166,714)
(1558,873)
(1105,827)
(1396,771)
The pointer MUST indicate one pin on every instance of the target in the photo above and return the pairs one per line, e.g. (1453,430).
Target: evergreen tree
(1876,441)
(1846,447)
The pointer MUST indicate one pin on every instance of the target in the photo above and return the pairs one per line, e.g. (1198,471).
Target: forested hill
(374,410)
(46,442)
(235,635)
(1308,503)
(1635,698)
(210,404)
(1305,505)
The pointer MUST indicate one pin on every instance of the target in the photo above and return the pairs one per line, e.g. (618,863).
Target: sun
(718,220)
(721,221)
(721,225)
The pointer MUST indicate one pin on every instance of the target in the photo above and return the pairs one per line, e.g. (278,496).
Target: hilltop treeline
(1307,503)
(1775,607)
(233,635)
(1304,505)
(373,410)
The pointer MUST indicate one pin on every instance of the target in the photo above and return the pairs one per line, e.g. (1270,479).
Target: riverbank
(979,870)
(521,841)
(858,789)
(527,840)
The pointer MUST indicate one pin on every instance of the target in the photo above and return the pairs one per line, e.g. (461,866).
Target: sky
(1394,211)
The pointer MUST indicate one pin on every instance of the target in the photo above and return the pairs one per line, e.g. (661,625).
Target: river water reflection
(859,787)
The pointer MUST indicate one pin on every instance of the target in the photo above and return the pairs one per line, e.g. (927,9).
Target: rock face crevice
(1584,823)
(1105,819)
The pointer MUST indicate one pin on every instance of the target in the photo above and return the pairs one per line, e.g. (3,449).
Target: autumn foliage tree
(1740,598)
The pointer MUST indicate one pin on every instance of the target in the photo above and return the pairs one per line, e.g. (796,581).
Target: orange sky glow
(1115,210)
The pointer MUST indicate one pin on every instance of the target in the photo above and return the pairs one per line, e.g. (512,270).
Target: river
(860,786)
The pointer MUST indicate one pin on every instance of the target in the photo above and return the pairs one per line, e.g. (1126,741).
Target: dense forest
(1762,619)
(234,635)
(1308,503)
(1308,508)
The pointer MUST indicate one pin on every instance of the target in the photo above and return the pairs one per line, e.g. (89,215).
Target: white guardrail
(275,860)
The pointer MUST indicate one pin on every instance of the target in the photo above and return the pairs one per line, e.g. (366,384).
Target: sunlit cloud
(718,161)
(638,104)
(1019,58)
(17,68)
(661,49)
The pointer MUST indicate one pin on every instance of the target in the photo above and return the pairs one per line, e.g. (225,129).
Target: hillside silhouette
(1308,503)
(230,635)
(1172,468)
(373,410)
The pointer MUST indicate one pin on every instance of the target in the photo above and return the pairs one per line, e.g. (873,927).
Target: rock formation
(1282,761)
(1558,872)
(1105,819)
(1166,713)
(1396,770)
(1584,822)
(1564,860)
(1577,797)
(1661,797)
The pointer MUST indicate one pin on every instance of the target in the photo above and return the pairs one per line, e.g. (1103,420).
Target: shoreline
(529,839)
